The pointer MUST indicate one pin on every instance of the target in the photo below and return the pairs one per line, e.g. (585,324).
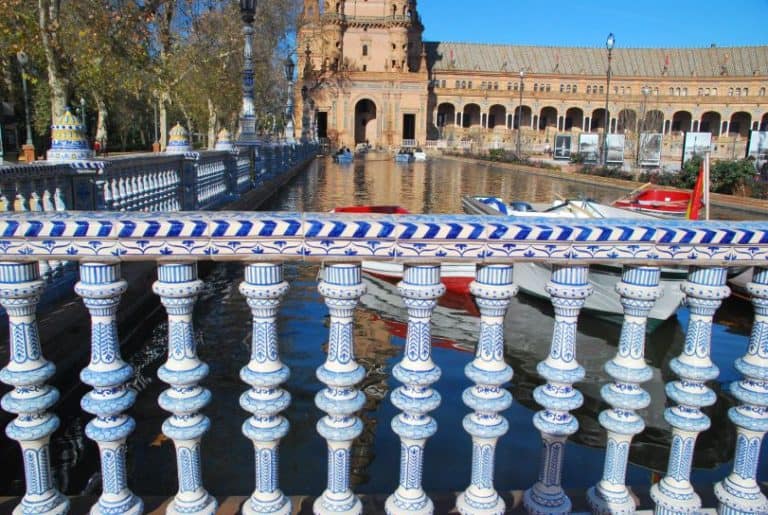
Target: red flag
(698,190)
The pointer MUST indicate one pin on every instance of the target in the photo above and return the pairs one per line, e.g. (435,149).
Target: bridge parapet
(499,248)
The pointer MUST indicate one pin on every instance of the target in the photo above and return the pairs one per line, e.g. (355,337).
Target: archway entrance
(365,121)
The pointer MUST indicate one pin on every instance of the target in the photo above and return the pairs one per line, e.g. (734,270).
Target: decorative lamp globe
(289,66)
(610,41)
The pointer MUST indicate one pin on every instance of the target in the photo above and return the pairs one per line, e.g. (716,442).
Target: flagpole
(706,185)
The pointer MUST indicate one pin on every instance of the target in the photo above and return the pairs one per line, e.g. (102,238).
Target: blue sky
(636,23)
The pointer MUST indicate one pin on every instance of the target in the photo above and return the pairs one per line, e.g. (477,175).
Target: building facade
(369,77)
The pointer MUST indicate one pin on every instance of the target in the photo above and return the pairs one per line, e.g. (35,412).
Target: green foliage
(607,171)
(729,177)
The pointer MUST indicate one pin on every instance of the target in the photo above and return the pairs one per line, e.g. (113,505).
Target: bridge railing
(498,247)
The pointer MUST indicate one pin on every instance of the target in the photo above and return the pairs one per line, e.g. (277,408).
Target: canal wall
(747,205)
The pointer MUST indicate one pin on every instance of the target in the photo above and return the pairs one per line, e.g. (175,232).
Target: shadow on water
(223,329)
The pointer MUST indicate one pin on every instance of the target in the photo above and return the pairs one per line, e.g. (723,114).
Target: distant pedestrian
(97,147)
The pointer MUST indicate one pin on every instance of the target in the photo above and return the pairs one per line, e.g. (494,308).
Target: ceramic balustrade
(264,240)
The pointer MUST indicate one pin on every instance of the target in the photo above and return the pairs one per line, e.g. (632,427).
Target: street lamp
(641,126)
(609,46)
(29,147)
(289,66)
(248,113)
(520,116)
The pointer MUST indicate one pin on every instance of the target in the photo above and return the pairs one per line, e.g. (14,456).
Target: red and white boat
(661,202)
(455,276)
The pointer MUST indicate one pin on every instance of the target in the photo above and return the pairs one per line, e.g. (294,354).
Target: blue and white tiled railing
(100,241)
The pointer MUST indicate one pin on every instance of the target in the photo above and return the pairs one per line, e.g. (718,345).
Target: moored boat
(404,156)
(344,156)
(661,202)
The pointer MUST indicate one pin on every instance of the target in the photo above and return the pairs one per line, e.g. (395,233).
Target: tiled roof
(644,62)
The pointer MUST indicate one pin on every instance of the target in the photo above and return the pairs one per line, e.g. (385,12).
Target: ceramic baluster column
(31,398)
(568,289)
(493,289)
(705,289)
(420,289)
(178,286)
(263,288)
(100,287)
(342,287)
(639,289)
(739,493)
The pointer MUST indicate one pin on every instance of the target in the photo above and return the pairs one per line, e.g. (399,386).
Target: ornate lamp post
(248,114)
(289,66)
(520,116)
(641,126)
(609,46)
(29,147)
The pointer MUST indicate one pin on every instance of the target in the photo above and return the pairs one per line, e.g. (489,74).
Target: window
(656,91)
(671,91)
(701,91)
(515,86)
(589,89)
(509,86)
(482,85)
(365,67)
(616,90)
(458,85)
(562,88)
(568,88)
(730,92)
(549,88)
(738,92)
(622,90)
(535,87)
(762,92)
(601,90)
(574,88)
(746,92)
(496,85)
(365,50)
(464,84)
(443,83)
(469,84)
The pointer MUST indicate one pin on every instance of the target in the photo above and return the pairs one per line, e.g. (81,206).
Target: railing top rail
(411,238)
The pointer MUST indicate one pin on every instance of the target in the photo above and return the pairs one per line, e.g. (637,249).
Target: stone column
(101,286)
(493,289)
(178,287)
(30,399)
(639,289)
(263,288)
(420,289)
(739,493)
(342,287)
(568,289)
(705,289)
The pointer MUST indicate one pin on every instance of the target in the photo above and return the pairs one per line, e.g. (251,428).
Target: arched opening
(574,118)
(681,121)
(710,122)
(626,121)
(764,123)
(598,120)
(446,115)
(365,121)
(497,116)
(548,118)
(471,116)
(740,124)
(522,117)
(654,121)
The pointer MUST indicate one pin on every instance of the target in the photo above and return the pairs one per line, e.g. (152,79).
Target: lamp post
(520,116)
(248,113)
(29,146)
(289,66)
(609,46)
(645,90)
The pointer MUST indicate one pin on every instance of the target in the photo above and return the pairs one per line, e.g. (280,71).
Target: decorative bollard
(639,289)
(100,287)
(568,288)
(420,289)
(705,290)
(178,286)
(31,398)
(342,287)
(739,493)
(263,288)
(493,289)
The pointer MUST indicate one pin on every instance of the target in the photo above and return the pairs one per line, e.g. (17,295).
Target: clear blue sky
(636,23)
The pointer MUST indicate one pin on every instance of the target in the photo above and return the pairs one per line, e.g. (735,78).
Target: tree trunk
(48,23)
(211,125)
(101,122)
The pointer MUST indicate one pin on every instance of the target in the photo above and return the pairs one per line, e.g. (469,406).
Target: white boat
(344,157)
(419,154)
(532,278)
(404,156)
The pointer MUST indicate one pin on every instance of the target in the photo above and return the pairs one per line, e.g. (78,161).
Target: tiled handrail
(100,241)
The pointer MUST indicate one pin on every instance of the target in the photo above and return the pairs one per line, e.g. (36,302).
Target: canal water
(223,323)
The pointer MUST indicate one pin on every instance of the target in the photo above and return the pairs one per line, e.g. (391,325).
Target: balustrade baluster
(27,371)
(705,289)
(639,289)
(263,288)
(568,289)
(122,195)
(419,289)
(100,286)
(36,206)
(739,493)
(493,289)
(342,287)
(178,287)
